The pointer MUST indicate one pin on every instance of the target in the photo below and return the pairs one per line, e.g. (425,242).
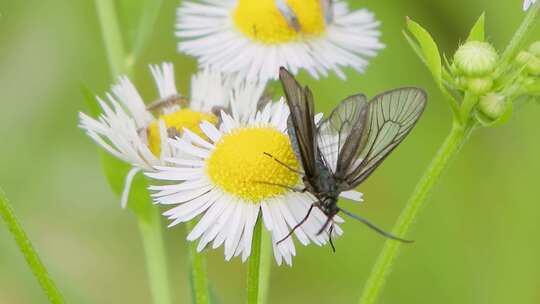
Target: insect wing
(301,126)
(392,115)
(340,135)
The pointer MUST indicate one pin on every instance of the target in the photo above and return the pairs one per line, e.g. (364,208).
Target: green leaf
(90,101)
(478,30)
(139,198)
(427,48)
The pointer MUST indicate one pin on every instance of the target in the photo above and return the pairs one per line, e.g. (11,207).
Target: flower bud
(479,86)
(531,63)
(476,58)
(535,49)
(492,105)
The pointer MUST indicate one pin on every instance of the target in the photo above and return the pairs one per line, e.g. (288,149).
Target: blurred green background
(476,241)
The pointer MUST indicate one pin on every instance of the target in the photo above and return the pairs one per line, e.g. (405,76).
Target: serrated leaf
(428,48)
(477,32)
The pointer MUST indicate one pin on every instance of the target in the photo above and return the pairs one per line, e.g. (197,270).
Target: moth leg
(330,238)
(374,228)
(323,228)
(284,164)
(299,223)
(283,186)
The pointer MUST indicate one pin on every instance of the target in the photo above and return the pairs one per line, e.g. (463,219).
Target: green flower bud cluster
(530,59)
(481,86)
(492,105)
(474,65)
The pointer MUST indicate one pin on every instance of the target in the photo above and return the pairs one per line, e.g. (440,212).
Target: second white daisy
(137,133)
(229,180)
(255,38)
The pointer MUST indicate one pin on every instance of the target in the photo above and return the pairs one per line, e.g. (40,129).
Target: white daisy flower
(527,4)
(255,38)
(229,178)
(133,132)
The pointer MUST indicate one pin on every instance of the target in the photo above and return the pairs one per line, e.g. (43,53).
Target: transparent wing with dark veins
(340,135)
(301,126)
(392,115)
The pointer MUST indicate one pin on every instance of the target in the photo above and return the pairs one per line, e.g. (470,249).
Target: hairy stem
(386,259)
(30,254)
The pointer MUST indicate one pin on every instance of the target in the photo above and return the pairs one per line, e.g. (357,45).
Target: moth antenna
(282,186)
(298,225)
(284,164)
(374,227)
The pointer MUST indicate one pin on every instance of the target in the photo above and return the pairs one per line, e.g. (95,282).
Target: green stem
(112,38)
(521,33)
(265,266)
(154,250)
(30,255)
(457,137)
(198,271)
(149,221)
(258,276)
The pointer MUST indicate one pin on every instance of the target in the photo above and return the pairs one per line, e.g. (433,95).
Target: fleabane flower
(527,4)
(234,173)
(255,38)
(136,132)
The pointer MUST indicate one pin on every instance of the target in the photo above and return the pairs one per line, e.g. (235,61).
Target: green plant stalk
(154,250)
(149,222)
(451,146)
(198,271)
(519,36)
(30,254)
(265,266)
(260,262)
(112,38)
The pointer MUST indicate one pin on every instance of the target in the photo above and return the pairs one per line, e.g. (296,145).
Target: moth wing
(301,126)
(340,135)
(392,115)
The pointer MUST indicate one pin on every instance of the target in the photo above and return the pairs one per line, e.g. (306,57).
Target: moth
(342,150)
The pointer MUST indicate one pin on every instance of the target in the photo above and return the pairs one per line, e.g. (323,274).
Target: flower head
(255,38)
(136,133)
(229,179)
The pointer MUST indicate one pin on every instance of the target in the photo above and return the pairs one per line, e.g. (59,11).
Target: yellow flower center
(240,167)
(262,21)
(179,120)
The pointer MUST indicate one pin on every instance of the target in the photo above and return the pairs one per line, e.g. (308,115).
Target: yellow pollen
(261,20)
(179,120)
(240,167)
